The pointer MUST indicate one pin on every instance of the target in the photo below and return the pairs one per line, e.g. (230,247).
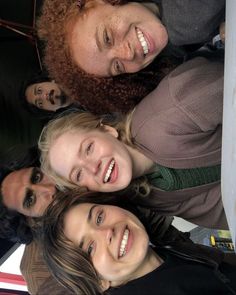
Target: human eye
(36,176)
(89,147)
(30,199)
(106,38)
(78,175)
(39,103)
(39,90)
(118,68)
(99,218)
(90,248)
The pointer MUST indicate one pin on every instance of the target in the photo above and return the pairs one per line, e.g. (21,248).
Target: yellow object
(213,241)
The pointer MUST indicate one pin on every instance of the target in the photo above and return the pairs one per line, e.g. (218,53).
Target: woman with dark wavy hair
(104,53)
(93,246)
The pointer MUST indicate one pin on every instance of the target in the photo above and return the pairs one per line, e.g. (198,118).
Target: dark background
(18,61)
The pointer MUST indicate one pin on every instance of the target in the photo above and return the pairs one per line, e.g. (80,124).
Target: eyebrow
(89,218)
(74,169)
(99,45)
(35,90)
(29,192)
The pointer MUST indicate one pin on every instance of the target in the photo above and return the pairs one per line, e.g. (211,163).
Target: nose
(45,190)
(104,233)
(92,165)
(46,95)
(123,51)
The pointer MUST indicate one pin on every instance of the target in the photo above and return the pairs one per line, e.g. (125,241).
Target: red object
(12,279)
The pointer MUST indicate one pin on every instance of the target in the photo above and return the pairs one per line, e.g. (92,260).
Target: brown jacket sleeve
(36,274)
(179,124)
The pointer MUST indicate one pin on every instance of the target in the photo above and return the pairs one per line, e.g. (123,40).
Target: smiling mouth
(109,171)
(123,244)
(142,41)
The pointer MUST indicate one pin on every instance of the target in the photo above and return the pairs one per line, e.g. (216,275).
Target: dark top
(180,276)
(190,22)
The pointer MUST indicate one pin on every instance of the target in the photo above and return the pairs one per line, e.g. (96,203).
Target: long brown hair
(68,263)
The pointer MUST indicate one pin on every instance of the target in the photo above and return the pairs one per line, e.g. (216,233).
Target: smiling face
(47,96)
(28,191)
(114,238)
(94,159)
(111,40)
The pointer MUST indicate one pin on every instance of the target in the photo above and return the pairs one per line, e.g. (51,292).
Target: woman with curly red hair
(90,43)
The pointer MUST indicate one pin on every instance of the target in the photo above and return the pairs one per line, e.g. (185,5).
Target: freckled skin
(118,25)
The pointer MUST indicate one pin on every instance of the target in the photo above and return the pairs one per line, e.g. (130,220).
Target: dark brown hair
(70,265)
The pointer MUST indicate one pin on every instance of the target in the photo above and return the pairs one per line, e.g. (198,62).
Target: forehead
(64,149)
(14,187)
(75,220)
(84,36)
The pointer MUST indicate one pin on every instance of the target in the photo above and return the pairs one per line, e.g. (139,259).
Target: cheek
(117,24)
(104,264)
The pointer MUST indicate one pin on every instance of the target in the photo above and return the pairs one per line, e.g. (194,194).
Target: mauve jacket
(179,125)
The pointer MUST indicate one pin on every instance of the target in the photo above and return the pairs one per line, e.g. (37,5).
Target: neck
(153,7)
(141,164)
(151,262)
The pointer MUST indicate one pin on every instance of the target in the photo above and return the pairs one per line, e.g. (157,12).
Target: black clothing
(183,274)
(190,23)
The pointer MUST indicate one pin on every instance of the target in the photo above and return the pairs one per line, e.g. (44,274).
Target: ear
(111,130)
(105,285)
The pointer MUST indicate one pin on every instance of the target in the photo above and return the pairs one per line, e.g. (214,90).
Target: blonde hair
(71,123)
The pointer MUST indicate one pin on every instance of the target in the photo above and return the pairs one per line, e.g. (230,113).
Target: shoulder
(33,267)
(184,23)
(182,86)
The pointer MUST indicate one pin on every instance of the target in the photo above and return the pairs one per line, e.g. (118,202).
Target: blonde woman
(173,138)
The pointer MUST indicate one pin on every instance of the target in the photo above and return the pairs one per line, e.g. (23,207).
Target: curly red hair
(99,95)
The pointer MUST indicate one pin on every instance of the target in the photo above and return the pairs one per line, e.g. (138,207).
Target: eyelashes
(89,148)
(106,38)
(118,67)
(99,218)
(79,172)
(98,221)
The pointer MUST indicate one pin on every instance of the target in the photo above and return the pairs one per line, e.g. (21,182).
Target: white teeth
(123,244)
(142,41)
(109,170)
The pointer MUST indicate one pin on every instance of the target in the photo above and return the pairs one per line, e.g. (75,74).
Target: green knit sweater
(169,179)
